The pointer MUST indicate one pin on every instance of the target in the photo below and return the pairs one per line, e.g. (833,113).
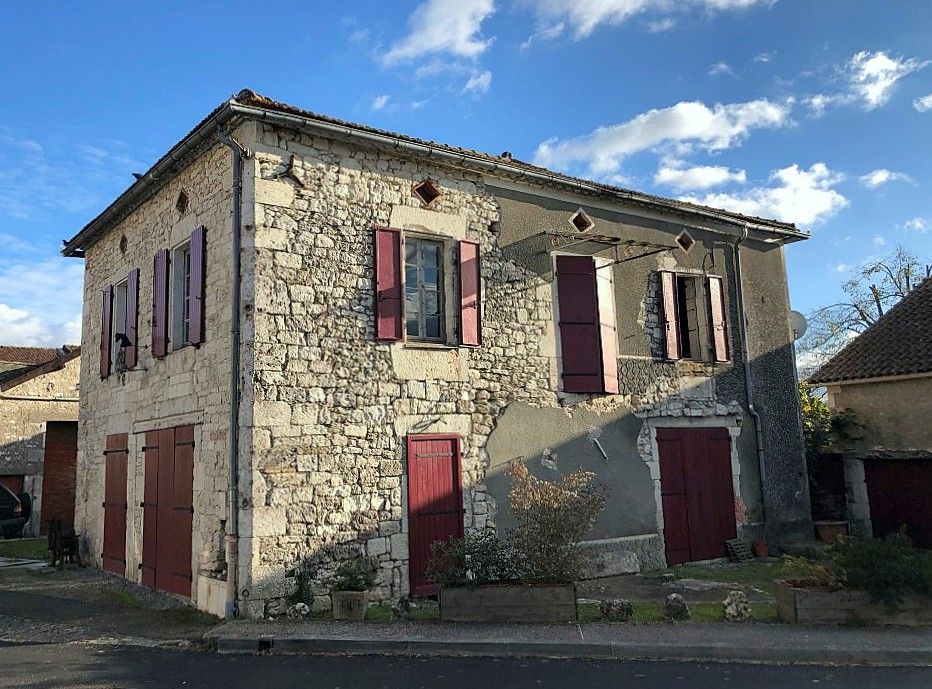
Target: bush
(355,575)
(476,559)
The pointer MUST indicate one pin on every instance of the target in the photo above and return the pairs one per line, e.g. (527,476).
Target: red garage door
(59,472)
(114,551)
(435,501)
(900,494)
(168,509)
(696,491)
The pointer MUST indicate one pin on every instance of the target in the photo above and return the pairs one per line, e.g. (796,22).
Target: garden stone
(298,610)
(616,610)
(675,608)
(736,607)
(402,609)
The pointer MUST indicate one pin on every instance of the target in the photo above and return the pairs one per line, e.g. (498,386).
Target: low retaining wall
(627,555)
(820,606)
(509,604)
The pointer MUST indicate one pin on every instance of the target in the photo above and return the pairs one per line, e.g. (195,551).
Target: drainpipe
(748,380)
(232,538)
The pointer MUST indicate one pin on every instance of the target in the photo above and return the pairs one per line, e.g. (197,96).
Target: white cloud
(685,123)
(21,328)
(881,176)
(659,25)
(765,57)
(720,68)
(478,83)
(797,195)
(818,103)
(450,27)
(48,312)
(584,16)
(879,240)
(380,102)
(923,104)
(841,267)
(873,76)
(917,224)
(698,177)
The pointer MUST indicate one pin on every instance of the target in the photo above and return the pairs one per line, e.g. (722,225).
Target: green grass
(122,597)
(759,575)
(26,548)
(646,612)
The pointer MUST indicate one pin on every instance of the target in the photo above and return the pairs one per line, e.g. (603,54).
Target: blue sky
(814,112)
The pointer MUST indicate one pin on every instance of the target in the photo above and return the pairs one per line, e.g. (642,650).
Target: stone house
(884,378)
(39,430)
(318,339)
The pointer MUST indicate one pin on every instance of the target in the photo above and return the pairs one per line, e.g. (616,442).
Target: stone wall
(188,386)
(894,413)
(24,411)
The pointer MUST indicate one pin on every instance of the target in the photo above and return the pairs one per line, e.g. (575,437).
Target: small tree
(817,421)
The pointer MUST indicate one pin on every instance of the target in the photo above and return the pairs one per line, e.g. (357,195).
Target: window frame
(445,280)
(118,320)
(703,314)
(179,297)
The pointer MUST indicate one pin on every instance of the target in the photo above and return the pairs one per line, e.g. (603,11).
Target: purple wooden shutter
(132,317)
(580,336)
(106,330)
(160,303)
(608,337)
(717,312)
(470,295)
(671,330)
(388,317)
(196,286)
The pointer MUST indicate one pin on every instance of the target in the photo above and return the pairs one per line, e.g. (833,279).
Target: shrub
(476,559)
(359,574)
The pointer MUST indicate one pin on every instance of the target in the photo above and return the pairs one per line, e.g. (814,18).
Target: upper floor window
(694,317)
(180,295)
(425,310)
(120,292)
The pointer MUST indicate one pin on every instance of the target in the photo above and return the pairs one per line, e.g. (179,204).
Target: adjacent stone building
(38,429)
(400,319)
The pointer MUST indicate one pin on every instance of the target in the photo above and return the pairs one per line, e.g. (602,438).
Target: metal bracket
(289,173)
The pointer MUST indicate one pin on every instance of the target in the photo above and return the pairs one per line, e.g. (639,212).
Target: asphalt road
(88,665)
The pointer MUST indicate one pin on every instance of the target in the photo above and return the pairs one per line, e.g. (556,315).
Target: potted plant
(761,549)
(349,594)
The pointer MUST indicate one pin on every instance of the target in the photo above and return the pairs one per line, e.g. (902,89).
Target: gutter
(232,537)
(748,379)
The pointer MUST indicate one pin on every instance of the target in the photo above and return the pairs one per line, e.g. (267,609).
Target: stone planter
(822,606)
(509,604)
(349,605)
(829,531)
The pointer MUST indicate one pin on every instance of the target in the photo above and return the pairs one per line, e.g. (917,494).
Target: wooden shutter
(150,506)
(470,294)
(115,457)
(160,303)
(388,314)
(580,331)
(106,330)
(608,336)
(196,286)
(182,512)
(668,300)
(717,318)
(132,317)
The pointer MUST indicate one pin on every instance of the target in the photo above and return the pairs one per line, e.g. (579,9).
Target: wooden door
(113,556)
(435,501)
(900,495)
(168,509)
(59,473)
(696,492)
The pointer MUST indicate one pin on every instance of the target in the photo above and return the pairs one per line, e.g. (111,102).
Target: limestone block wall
(187,386)
(24,411)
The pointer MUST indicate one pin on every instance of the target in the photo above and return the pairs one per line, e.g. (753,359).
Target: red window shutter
(717,311)
(607,328)
(580,328)
(196,286)
(106,330)
(132,317)
(470,295)
(160,304)
(388,316)
(671,329)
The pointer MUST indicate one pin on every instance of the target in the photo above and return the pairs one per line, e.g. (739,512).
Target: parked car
(14,512)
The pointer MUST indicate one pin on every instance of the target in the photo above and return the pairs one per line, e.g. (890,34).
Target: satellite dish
(798,324)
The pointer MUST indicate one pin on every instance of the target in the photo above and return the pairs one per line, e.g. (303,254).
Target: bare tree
(867,296)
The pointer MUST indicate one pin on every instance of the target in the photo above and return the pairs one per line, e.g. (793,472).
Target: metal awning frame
(616,243)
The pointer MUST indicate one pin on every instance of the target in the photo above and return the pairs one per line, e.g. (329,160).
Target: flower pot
(761,549)
(829,531)
(349,605)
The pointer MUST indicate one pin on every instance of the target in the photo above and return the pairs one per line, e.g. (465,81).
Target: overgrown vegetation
(758,575)
(553,517)
(889,569)
(26,548)
(358,574)
(824,428)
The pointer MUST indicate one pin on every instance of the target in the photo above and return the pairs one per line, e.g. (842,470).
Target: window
(424,289)
(180,296)
(118,350)
(692,317)
(694,309)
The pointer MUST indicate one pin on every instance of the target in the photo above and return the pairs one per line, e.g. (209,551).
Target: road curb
(532,649)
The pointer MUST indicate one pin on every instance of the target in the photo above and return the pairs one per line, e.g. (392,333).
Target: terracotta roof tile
(27,355)
(899,343)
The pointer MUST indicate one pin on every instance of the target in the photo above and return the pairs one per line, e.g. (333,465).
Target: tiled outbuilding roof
(899,343)
(27,355)
(19,364)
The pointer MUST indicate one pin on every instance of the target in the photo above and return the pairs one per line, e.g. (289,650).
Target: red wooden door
(168,509)
(900,494)
(14,482)
(59,472)
(696,492)
(435,502)
(114,550)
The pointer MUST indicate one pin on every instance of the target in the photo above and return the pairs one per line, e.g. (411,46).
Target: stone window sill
(441,346)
